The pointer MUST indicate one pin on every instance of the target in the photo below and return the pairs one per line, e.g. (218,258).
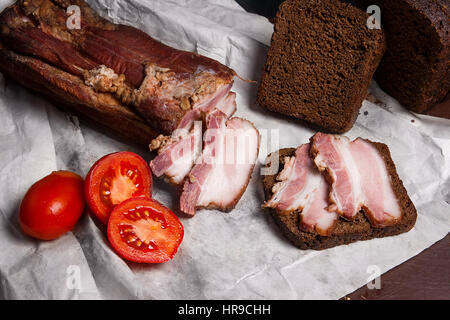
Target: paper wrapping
(236,255)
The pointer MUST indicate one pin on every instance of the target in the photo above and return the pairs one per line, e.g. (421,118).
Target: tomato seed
(131,238)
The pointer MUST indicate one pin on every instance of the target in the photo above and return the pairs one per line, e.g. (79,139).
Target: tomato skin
(52,205)
(95,174)
(173,230)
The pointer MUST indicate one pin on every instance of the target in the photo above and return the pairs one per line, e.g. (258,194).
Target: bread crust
(345,232)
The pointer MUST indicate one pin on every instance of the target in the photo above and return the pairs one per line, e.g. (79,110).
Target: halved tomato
(143,230)
(114,178)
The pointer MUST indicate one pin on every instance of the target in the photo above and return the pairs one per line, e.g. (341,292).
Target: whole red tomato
(52,206)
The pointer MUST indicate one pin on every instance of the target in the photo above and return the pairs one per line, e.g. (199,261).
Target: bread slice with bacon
(305,196)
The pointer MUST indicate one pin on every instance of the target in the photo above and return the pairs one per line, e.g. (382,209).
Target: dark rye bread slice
(416,67)
(345,231)
(320,63)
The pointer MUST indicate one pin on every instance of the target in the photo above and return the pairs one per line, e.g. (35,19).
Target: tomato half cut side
(143,230)
(115,178)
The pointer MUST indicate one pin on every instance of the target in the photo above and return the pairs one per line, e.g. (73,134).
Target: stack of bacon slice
(217,176)
(332,177)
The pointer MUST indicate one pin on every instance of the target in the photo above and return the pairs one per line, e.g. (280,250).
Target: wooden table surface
(425,276)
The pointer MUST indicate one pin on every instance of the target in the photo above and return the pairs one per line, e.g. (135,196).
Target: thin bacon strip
(359,178)
(176,159)
(224,170)
(177,153)
(225,102)
(301,187)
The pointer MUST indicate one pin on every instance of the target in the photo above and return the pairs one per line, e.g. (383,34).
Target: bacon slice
(301,187)
(332,155)
(225,102)
(177,157)
(177,153)
(359,178)
(224,169)
(380,203)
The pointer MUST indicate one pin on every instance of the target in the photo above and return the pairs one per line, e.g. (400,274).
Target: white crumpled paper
(236,255)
